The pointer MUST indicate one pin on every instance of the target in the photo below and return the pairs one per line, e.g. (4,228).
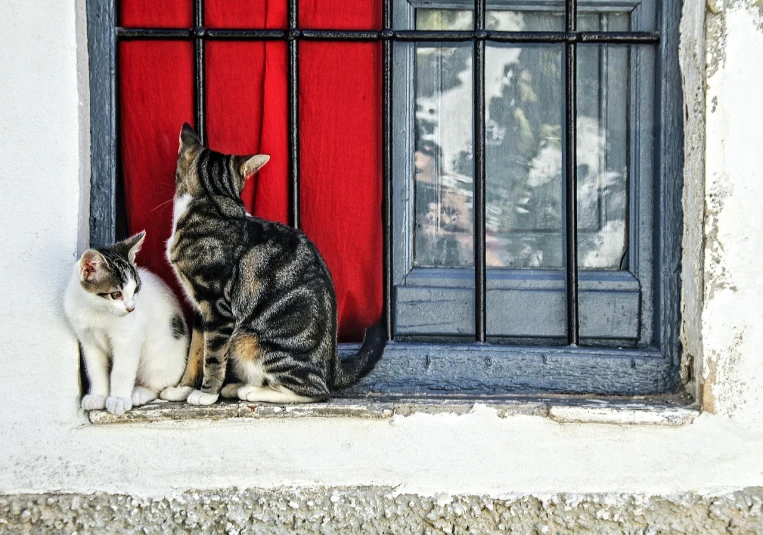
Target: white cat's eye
(116,295)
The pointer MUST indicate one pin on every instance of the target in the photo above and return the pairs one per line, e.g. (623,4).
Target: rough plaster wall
(379,510)
(733,284)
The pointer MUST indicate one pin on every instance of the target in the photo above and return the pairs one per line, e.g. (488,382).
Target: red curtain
(340,131)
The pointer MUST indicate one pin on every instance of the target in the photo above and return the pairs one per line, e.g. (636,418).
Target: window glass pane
(524,219)
(602,152)
(523,93)
(443,159)
(526,21)
(444,19)
(602,138)
(524,151)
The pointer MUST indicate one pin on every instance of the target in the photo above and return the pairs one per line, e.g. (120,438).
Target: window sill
(658,410)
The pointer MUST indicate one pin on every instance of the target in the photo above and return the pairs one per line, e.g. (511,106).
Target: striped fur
(262,292)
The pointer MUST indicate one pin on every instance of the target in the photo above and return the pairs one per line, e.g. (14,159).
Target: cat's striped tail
(350,371)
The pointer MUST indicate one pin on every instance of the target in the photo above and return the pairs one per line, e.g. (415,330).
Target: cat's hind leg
(253,366)
(192,367)
(230,391)
(142,395)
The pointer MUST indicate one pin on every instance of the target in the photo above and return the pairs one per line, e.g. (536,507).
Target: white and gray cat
(130,326)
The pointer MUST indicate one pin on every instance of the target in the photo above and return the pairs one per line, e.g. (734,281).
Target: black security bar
(200,98)
(223,34)
(387,36)
(479,204)
(387,167)
(571,182)
(294,211)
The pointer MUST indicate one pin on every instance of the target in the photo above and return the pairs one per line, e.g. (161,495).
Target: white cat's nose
(130,306)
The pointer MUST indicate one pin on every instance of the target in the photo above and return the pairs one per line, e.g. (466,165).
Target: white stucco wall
(45,444)
(733,314)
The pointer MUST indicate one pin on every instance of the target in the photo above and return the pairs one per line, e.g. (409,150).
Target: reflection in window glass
(443,158)
(524,117)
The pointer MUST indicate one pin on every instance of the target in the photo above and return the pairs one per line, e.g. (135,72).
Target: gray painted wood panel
(604,314)
(482,369)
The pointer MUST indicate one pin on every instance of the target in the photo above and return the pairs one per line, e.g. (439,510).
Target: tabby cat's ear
(188,138)
(91,265)
(132,245)
(248,165)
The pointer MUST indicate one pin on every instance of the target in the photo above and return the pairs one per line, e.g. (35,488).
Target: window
(532,159)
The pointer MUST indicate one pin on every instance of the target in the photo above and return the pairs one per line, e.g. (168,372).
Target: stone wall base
(375,510)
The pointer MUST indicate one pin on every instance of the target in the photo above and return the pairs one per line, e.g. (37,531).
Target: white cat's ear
(133,245)
(188,139)
(91,264)
(250,165)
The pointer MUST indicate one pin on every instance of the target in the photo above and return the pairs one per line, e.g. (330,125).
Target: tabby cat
(130,327)
(262,293)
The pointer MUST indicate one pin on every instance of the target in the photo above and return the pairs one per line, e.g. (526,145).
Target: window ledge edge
(563,410)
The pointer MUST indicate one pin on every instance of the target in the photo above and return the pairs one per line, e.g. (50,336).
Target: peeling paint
(717,277)
(716,41)
(717,31)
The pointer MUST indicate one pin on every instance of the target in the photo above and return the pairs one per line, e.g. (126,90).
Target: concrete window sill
(670,411)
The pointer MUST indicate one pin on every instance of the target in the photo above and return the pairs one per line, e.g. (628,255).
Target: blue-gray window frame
(441,366)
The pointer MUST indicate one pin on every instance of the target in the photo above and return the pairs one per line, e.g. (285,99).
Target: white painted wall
(46,445)
(732,320)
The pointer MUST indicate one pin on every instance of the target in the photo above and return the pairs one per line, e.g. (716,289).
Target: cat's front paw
(176,393)
(197,397)
(94,403)
(118,406)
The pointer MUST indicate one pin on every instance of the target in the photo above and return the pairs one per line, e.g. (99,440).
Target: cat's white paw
(118,406)
(141,396)
(94,403)
(197,397)
(176,393)
(230,391)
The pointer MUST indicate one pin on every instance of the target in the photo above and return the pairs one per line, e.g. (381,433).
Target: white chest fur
(179,209)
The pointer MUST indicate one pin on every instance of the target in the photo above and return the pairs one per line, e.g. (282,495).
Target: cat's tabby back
(262,292)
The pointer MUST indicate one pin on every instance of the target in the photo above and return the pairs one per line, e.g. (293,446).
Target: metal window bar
(293,16)
(478,36)
(571,182)
(200,99)
(387,166)
(480,179)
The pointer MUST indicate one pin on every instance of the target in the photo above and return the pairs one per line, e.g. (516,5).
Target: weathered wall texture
(369,511)
(692,59)
(733,281)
